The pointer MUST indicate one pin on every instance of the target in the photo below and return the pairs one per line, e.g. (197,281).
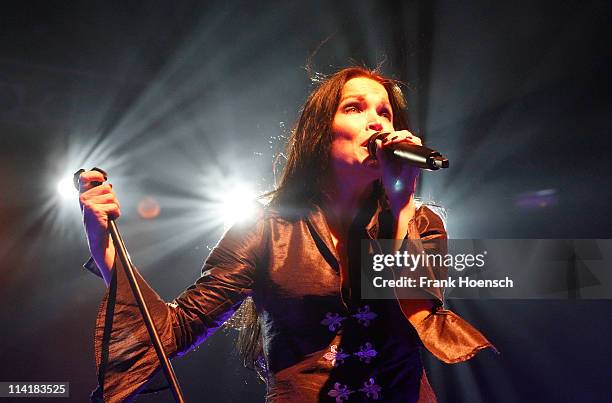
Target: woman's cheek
(361,153)
(344,151)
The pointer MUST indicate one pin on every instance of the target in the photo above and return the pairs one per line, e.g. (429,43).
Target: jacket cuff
(125,357)
(450,338)
(446,335)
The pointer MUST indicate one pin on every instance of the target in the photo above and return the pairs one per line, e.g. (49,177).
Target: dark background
(178,99)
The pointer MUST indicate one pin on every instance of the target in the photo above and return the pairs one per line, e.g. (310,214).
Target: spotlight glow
(237,204)
(66,189)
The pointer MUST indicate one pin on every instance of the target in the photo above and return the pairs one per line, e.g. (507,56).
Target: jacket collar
(315,219)
(318,224)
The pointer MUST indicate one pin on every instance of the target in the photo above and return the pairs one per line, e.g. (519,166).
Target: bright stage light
(238,204)
(66,189)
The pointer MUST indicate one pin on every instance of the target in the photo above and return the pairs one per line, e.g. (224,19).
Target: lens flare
(66,189)
(237,205)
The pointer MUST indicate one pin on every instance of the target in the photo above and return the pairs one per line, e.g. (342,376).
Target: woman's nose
(374,122)
(375,125)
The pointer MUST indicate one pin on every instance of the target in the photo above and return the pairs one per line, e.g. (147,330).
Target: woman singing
(310,332)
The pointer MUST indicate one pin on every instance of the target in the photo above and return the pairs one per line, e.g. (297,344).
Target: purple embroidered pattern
(371,389)
(332,321)
(366,353)
(335,356)
(340,392)
(364,316)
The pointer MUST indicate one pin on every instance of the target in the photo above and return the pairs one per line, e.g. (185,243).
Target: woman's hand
(398,178)
(98,205)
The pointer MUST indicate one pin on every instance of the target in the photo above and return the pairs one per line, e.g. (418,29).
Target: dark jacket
(288,265)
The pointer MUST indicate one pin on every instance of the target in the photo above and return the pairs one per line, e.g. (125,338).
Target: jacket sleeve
(446,335)
(125,357)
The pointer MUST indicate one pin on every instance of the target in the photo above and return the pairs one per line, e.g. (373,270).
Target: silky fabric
(287,263)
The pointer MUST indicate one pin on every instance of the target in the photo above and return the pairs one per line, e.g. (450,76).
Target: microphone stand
(144,310)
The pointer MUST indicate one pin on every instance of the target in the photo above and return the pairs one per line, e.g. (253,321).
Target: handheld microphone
(418,156)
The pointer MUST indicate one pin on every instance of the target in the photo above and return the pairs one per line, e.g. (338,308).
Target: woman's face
(364,109)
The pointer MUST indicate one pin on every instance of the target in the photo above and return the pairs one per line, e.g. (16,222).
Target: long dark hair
(308,154)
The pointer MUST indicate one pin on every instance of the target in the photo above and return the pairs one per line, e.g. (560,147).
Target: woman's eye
(351,109)
(386,114)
